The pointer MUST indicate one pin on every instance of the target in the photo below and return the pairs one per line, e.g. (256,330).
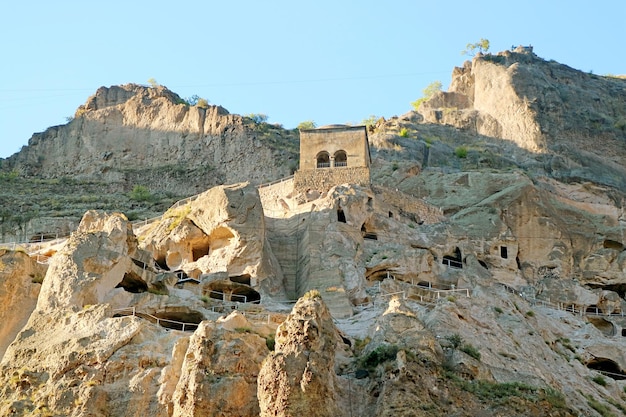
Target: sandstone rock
(219,373)
(299,375)
(20,283)
(152,126)
(221,231)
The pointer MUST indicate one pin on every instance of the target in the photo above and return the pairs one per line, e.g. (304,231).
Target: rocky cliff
(132,134)
(483,272)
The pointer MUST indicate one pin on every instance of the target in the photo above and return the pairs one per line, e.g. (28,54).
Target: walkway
(257,317)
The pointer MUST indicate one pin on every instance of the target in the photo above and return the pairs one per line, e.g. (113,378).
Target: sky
(330,61)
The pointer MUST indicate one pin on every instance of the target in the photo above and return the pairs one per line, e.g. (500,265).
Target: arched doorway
(341,159)
(323,160)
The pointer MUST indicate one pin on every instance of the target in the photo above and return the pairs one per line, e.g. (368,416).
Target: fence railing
(591,310)
(278,181)
(158,320)
(452,263)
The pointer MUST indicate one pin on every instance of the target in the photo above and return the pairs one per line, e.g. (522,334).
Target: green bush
(599,407)
(460,152)
(471,351)
(455,341)
(270,342)
(307,124)
(428,92)
(203,103)
(599,379)
(370,121)
(140,193)
(404,132)
(258,117)
(381,354)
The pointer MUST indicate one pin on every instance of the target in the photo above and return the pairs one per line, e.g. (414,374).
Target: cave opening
(455,260)
(593,309)
(368,234)
(605,326)
(199,251)
(160,261)
(607,367)
(132,283)
(241,279)
(227,290)
(620,289)
(186,320)
(246,295)
(341,217)
(612,244)
(504,252)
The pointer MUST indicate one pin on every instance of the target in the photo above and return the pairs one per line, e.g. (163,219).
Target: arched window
(323,160)
(341,159)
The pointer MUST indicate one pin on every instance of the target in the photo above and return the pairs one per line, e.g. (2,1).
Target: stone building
(333,155)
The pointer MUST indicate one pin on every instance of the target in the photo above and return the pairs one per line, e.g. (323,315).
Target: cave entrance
(377,275)
(133,283)
(368,234)
(593,309)
(341,217)
(186,320)
(455,260)
(241,279)
(606,327)
(227,290)
(613,244)
(607,367)
(199,251)
(160,262)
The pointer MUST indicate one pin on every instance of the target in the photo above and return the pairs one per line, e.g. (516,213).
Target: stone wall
(324,179)
(409,205)
(350,139)
(273,197)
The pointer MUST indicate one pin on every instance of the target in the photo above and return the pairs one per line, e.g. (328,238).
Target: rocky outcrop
(20,282)
(219,373)
(540,106)
(220,231)
(131,134)
(299,376)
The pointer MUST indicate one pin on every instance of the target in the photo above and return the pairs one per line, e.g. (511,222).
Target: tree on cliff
(481,46)
(428,92)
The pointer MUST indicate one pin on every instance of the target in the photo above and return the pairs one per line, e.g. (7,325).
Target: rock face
(299,376)
(540,106)
(219,372)
(221,231)
(20,281)
(131,134)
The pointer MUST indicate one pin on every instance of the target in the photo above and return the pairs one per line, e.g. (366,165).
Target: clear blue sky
(330,61)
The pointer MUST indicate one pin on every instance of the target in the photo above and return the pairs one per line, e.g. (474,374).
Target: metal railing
(452,263)
(158,320)
(278,181)
(568,307)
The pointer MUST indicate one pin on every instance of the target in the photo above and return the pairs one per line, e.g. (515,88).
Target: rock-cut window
(341,159)
(323,160)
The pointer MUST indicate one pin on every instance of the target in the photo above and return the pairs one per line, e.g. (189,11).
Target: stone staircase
(283,238)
